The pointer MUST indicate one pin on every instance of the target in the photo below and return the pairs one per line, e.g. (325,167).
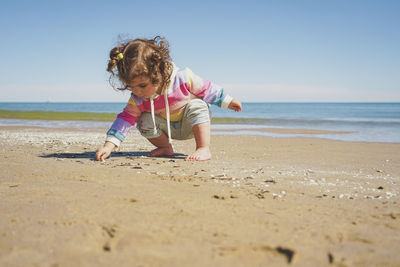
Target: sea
(362,122)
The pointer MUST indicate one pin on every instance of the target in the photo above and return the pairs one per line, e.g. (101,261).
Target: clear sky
(260,51)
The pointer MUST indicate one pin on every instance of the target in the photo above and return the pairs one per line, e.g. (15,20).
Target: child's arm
(119,129)
(103,152)
(211,92)
(124,122)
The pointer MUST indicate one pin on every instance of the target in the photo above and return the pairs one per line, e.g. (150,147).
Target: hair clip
(120,56)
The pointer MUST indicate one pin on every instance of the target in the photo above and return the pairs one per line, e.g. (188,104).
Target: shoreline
(97,117)
(218,129)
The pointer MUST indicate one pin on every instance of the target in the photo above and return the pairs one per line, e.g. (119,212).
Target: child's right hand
(103,152)
(235,105)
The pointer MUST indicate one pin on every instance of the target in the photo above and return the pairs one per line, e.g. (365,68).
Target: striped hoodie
(184,86)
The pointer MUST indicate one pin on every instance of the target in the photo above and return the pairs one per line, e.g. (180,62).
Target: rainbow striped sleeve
(207,90)
(125,121)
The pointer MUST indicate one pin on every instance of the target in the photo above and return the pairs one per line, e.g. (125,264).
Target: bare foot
(200,154)
(161,152)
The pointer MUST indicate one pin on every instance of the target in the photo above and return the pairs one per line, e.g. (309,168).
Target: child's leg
(202,137)
(164,148)
(196,120)
(156,136)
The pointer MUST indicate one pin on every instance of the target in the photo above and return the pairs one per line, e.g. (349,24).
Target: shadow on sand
(91,155)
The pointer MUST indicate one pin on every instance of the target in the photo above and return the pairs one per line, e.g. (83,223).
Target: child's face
(142,86)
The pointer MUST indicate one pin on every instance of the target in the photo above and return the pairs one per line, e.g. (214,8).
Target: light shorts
(196,112)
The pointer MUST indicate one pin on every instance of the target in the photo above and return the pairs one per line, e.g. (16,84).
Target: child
(165,102)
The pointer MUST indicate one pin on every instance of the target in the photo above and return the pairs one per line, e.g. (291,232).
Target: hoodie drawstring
(167,113)
(152,115)
(168,119)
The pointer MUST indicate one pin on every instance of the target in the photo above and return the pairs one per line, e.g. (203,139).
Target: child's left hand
(235,105)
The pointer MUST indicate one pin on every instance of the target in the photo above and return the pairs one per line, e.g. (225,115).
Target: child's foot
(162,152)
(200,154)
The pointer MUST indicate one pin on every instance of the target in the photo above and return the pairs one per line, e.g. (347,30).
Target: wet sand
(284,131)
(261,201)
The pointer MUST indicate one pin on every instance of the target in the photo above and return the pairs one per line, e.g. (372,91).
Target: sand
(261,201)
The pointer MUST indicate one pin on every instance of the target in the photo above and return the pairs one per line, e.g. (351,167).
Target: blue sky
(260,51)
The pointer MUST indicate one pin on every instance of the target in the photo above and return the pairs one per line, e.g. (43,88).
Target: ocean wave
(331,121)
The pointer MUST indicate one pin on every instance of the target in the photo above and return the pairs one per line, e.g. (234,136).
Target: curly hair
(140,57)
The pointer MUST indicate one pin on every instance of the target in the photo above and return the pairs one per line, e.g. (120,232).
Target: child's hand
(235,105)
(103,152)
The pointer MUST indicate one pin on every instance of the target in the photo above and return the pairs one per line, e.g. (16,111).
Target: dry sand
(260,201)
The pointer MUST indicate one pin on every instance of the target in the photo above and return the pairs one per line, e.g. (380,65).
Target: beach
(261,201)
